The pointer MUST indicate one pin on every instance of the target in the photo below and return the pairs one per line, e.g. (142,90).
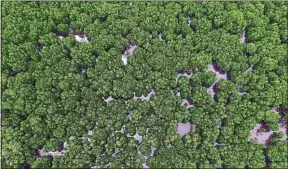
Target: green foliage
(53,90)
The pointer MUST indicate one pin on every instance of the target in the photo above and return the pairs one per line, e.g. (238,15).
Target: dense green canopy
(53,88)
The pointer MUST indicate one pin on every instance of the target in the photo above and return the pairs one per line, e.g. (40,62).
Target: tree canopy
(68,101)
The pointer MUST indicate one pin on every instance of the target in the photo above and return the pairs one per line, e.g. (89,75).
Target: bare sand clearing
(42,152)
(262,137)
(143,98)
(136,137)
(219,76)
(184,74)
(243,38)
(183,128)
(127,53)
(82,39)
(144,165)
(109,99)
(186,103)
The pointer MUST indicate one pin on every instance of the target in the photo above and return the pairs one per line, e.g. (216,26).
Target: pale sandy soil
(169,146)
(150,94)
(262,137)
(60,37)
(115,153)
(109,99)
(218,77)
(219,144)
(42,152)
(160,37)
(78,38)
(130,115)
(188,21)
(186,103)
(124,57)
(274,110)
(144,165)
(183,74)
(249,69)
(136,137)
(183,128)
(142,97)
(242,39)
(81,40)
(121,130)
(90,133)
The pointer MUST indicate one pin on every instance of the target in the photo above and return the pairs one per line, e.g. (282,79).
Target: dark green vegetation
(53,90)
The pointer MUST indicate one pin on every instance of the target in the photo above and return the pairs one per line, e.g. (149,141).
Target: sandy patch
(144,98)
(188,75)
(136,137)
(183,129)
(81,39)
(60,37)
(109,99)
(186,103)
(262,137)
(42,153)
(243,38)
(129,52)
(144,165)
(219,76)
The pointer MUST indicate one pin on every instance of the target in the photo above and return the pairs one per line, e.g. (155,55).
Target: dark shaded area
(246,35)
(80,34)
(228,100)
(204,84)
(224,122)
(191,102)
(264,127)
(39,46)
(217,68)
(267,159)
(283,41)
(103,18)
(132,42)
(27,166)
(72,31)
(269,141)
(63,34)
(12,72)
(215,98)
(228,76)
(50,161)
(214,26)
(216,88)
(37,153)
(82,68)
(283,112)
(4,111)
(61,146)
